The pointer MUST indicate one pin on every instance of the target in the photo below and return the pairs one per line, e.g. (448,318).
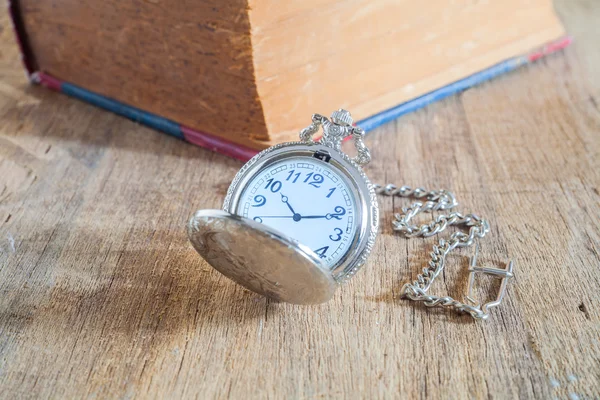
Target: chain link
(440,200)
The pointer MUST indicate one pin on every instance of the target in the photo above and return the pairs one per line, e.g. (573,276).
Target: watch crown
(341,117)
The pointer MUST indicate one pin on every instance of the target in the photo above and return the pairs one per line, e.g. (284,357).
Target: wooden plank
(101,295)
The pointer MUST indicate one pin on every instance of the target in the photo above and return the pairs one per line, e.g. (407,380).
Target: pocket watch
(299,218)
(302,217)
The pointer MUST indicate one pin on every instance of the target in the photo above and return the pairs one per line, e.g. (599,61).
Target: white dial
(307,200)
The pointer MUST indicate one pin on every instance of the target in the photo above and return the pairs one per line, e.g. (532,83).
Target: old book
(240,75)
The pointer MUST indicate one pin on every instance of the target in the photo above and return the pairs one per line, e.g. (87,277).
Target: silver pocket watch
(298,219)
(301,217)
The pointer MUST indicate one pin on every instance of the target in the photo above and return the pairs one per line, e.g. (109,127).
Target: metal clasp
(505,274)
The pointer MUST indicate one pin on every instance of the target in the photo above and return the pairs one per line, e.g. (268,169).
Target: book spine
(243,153)
(165,125)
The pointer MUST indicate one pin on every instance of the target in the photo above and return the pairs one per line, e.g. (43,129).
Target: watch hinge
(322,155)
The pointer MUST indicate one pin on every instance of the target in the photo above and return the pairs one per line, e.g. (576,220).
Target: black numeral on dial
(337,236)
(260,201)
(339,211)
(275,186)
(321,252)
(296,176)
(317,179)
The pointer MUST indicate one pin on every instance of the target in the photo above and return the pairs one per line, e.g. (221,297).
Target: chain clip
(503,273)
(437,200)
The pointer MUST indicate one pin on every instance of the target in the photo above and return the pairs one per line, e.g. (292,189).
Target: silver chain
(439,200)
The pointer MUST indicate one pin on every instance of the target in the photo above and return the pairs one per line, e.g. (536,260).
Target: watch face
(307,200)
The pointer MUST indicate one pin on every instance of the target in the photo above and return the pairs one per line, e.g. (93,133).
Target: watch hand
(339,211)
(285,200)
(275,216)
(297,217)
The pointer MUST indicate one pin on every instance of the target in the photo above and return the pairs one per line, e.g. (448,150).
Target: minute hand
(327,216)
(339,211)
(275,216)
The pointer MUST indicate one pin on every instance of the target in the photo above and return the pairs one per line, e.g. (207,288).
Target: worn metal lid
(260,258)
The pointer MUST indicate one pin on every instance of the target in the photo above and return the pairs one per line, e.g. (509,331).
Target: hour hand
(285,200)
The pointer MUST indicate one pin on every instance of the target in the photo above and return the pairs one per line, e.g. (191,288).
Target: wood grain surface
(101,296)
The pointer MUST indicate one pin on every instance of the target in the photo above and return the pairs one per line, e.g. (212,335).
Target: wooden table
(102,296)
